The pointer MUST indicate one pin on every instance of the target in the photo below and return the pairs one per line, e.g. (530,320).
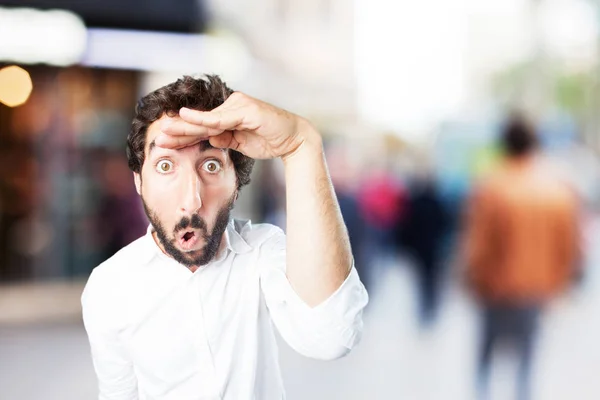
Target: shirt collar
(150,248)
(233,240)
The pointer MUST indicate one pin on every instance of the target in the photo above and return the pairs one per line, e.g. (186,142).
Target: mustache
(194,222)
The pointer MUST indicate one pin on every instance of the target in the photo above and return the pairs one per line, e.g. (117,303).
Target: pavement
(44,352)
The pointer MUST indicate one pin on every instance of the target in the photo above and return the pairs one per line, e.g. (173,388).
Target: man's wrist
(310,143)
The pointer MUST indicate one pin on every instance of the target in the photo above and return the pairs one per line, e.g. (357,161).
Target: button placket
(200,338)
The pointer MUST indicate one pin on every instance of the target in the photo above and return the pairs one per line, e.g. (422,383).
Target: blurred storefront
(64,183)
(67,201)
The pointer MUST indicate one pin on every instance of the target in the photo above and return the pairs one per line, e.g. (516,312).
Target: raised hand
(250,126)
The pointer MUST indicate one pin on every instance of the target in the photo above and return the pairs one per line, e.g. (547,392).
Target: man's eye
(164,166)
(212,166)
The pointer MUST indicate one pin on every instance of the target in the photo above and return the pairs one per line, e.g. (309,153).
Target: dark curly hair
(199,94)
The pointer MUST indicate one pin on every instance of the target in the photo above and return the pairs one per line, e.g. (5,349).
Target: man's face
(188,195)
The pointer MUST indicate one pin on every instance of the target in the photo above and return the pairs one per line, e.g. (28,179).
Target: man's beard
(212,240)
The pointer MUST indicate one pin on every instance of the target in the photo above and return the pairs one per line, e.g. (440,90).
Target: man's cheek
(159,198)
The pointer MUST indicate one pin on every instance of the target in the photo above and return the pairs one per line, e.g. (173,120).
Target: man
(521,248)
(422,234)
(186,311)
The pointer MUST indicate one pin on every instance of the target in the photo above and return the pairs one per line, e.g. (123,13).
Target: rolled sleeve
(327,331)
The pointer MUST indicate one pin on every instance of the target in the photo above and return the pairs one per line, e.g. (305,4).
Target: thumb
(225,140)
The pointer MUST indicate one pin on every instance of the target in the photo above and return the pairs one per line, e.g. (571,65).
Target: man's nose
(192,200)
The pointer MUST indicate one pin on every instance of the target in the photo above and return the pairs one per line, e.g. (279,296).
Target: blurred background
(411,97)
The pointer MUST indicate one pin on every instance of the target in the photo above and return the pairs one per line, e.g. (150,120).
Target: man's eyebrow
(202,146)
(151,147)
(205,145)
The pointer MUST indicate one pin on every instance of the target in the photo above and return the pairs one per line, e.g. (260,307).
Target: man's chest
(182,326)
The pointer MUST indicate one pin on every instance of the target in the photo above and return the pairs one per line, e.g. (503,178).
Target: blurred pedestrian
(381,201)
(521,248)
(421,234)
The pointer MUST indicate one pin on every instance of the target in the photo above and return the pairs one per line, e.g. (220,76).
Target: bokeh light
(15,86)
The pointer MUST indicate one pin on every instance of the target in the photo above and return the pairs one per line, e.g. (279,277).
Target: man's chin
(192,262)
(191,258)
(192,254)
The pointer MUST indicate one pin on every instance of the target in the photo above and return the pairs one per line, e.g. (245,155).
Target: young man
(186,311)
(521,247)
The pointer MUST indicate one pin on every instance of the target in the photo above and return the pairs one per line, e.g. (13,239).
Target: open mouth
(188,240)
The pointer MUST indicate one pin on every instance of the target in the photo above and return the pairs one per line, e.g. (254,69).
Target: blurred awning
(156,15)
(60,37)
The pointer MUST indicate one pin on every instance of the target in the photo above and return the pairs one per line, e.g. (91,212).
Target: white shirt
(159,331)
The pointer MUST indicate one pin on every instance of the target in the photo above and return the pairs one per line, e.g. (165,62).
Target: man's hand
(250,126)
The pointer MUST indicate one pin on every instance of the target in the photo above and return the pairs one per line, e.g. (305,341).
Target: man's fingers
(226,140)
(220,118)
(178,127)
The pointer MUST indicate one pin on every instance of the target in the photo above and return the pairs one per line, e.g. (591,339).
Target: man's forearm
(318,249)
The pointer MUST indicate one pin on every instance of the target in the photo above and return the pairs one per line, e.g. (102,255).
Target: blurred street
(394,361)
(462,139)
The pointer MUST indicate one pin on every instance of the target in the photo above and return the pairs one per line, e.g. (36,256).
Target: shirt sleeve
(114,369)
(327,331)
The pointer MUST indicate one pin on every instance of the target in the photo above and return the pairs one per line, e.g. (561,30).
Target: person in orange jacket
(520,246)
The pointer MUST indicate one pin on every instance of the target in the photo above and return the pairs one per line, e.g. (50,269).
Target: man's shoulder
(105,294)
(122,262)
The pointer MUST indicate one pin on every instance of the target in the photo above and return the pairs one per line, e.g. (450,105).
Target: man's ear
(137,178)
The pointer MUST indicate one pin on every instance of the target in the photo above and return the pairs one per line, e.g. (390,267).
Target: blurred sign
(167,52)
(60,38)
(163,15)
(29,36)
